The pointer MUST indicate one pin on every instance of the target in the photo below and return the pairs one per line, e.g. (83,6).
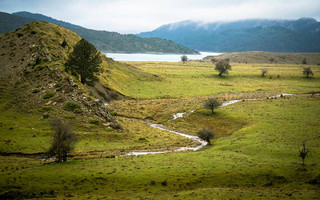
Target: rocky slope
(33,78)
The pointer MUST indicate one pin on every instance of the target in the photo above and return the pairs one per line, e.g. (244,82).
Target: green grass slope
(255,152)
(259,161)
(176,80)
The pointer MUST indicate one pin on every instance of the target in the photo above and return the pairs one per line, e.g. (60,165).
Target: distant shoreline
(157,57)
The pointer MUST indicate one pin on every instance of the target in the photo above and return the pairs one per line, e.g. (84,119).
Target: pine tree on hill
(85,60)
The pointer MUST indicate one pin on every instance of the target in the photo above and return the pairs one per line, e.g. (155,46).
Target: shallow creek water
(194,138)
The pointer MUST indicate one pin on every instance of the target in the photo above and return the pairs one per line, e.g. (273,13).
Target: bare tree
(307,71)
(63,140)
(304,61)
(264,71)
(184,58)
(272,60)
(206,135)
(212,104)
(222,66)
(303,152)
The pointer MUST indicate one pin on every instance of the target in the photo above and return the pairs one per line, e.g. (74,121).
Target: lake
(156,57)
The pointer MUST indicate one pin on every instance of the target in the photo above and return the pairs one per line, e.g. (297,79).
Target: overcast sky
(134,16)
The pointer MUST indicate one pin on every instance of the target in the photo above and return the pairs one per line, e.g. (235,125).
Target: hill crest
(33,77)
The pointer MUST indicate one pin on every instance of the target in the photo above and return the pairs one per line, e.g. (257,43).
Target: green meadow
(254,154)
(176,80)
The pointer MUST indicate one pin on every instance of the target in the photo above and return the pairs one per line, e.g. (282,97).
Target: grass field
(255,154)
(176,80)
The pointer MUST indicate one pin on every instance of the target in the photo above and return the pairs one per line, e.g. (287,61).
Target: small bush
(45,108)
(206,135)
(45,116)
(72,116)
(64,43)
(116,126)
(48,95)
(94,121)
(113,113)
(71,106)
(35,90)
(142,139)
(25,85)
(38,61)
(212,104)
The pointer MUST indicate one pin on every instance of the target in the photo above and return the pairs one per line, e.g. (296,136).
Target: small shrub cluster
(25,85)
(64,43)
(45,108)
(94,121)
(71,106)
(49,95)
(206,135)
(113,113)
(71,116)
(35,90)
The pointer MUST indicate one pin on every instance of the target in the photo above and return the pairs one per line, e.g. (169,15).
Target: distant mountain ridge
(10,22)
(103,40)
(44,18)
(302,35)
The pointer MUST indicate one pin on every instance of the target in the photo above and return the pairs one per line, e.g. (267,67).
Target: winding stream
(194,138)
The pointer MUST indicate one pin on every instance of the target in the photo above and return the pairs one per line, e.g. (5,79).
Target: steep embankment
(268,57)
(33,78)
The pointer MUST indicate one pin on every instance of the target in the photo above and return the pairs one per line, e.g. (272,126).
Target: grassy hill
(268,57)
(255,152)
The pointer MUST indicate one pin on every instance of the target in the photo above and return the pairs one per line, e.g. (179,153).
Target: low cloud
(127,16)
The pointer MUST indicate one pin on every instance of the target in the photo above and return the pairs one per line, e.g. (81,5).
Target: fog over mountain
(301,35)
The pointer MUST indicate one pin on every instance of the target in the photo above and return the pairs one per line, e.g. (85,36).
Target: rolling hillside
(302,35)
(33,77)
